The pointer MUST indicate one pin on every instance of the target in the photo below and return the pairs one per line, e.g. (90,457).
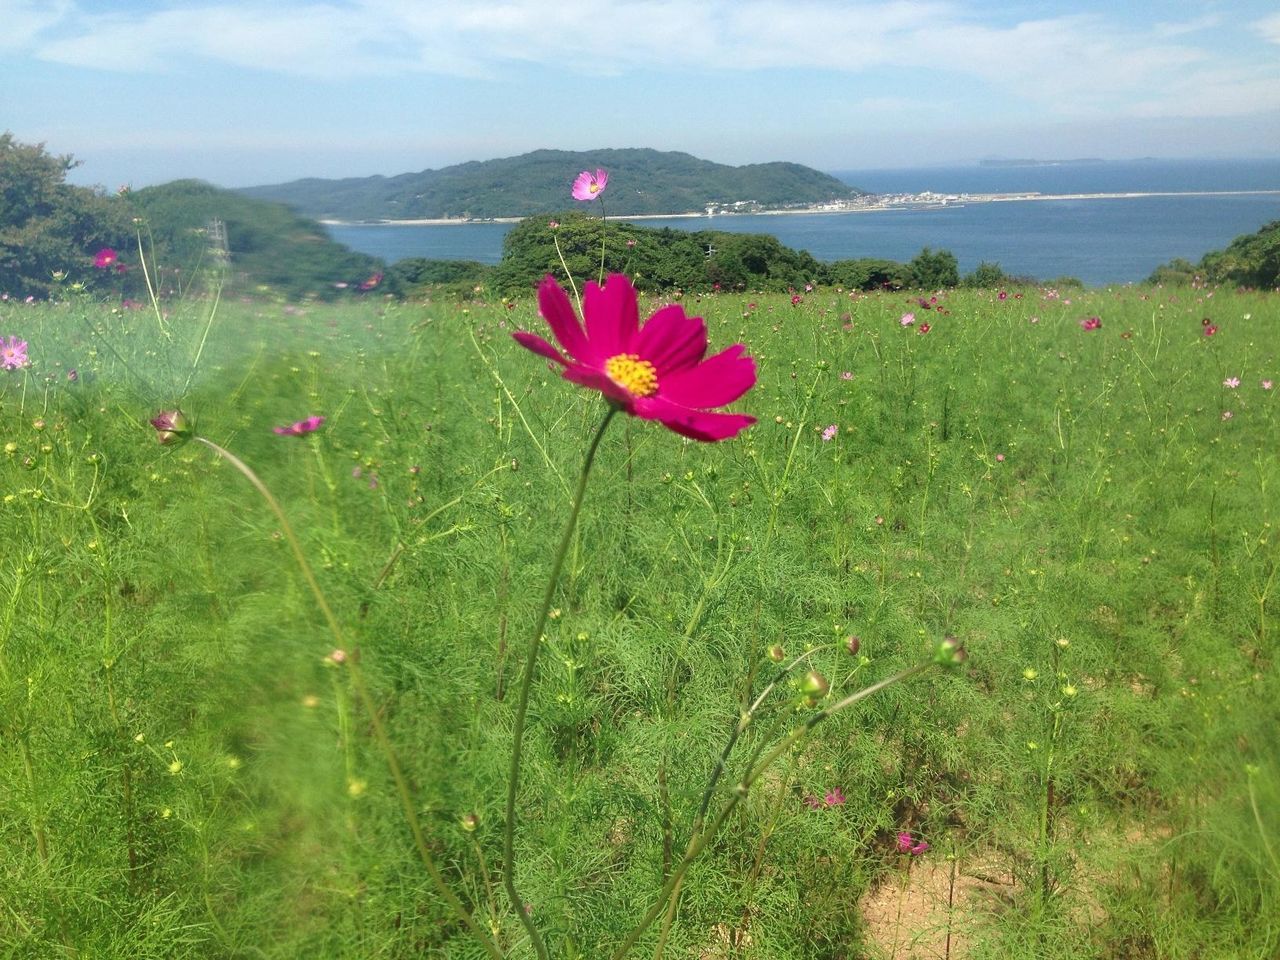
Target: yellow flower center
(595,187)
(636,375)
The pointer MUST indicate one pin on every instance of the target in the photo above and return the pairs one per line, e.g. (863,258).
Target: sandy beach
(875,202)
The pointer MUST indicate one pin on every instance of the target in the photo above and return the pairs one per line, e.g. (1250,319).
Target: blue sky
(259,91)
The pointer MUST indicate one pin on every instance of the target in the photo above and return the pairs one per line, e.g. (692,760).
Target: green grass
(182,774)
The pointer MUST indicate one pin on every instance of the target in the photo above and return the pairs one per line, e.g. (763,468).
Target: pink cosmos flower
(796,299)
(105,258)
(1091,323)
(1002,295)
(656,371)
(906,844)
(1231,382)
(589,185)
(1227,414)
(907,319)
(923,328)
(13,353)
(830,432)
(847,375)
(1210,330)
(834,797)
(1267,384)
(301,428)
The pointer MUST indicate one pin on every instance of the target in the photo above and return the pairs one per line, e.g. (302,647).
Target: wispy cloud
(1074,64)
(1269,28)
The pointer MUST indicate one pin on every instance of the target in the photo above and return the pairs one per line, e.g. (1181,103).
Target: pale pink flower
(907,319)
(13,354)
(1266,384)
(999,458)
(1231,382)
(830,432)
(1227,414)
(589,185)
(848,375)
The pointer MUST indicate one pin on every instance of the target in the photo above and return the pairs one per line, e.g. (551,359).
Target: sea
(1197,206)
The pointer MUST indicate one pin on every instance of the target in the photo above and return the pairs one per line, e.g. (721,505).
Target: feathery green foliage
(188,774)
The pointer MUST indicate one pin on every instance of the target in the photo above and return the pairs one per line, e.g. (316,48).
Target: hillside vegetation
(538,182)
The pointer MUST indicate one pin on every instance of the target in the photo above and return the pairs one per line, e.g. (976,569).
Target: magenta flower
(834,797)
(1210,330)
(656,371)
(105,258)
(1091,323)
(906,844)
(13,353)
(923,328)
(301,428)
(590,185)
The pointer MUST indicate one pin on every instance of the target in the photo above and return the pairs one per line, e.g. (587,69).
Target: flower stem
(366,701)
(526,681)
(603,234)
(699,841)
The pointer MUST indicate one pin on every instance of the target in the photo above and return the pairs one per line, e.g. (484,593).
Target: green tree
(985,276)
(932,270)
(868,273)
(50,229)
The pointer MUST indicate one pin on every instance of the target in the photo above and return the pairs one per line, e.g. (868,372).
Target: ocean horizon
(1107,240)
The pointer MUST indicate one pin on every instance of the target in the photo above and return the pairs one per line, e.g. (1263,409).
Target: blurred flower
(834,797)
(105,258)
(796,299)
(847,375)
(1091,323)
(553,224)
(830,432)
(1210,330)
(812,802)
(589,185)
(1227,414)
(301,428)
(1266,384)
(372,282)
(657,371)
(1231,382)
(906,844)
(13,353)
(172,427)
(923,328)
(1002,295)
(999,458)
(907,319)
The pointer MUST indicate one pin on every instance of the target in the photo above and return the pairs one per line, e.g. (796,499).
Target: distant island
(1040,163)
(642,182)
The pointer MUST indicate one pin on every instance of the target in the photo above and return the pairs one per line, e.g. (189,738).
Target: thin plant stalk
(526,682)
(603,235)
(700,841)
(572,285)
(366,701)
(744,720)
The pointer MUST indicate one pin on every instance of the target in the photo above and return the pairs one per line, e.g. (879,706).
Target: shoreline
(875,203)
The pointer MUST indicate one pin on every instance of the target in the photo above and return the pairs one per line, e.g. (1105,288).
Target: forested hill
(641,181)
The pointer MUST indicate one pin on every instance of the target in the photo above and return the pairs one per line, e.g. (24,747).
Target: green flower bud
(950,653)
(776,653)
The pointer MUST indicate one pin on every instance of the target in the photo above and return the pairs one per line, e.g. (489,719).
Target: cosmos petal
(716,381)
(672,341)
(612,316)
(697,424)
(555,308)
(531,341)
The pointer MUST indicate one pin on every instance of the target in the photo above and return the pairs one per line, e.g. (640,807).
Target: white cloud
(1074,65)
(1269,27)
(25,20)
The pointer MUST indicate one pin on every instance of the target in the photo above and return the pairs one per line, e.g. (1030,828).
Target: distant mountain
(1039,163)
(270,247)
(640,182)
